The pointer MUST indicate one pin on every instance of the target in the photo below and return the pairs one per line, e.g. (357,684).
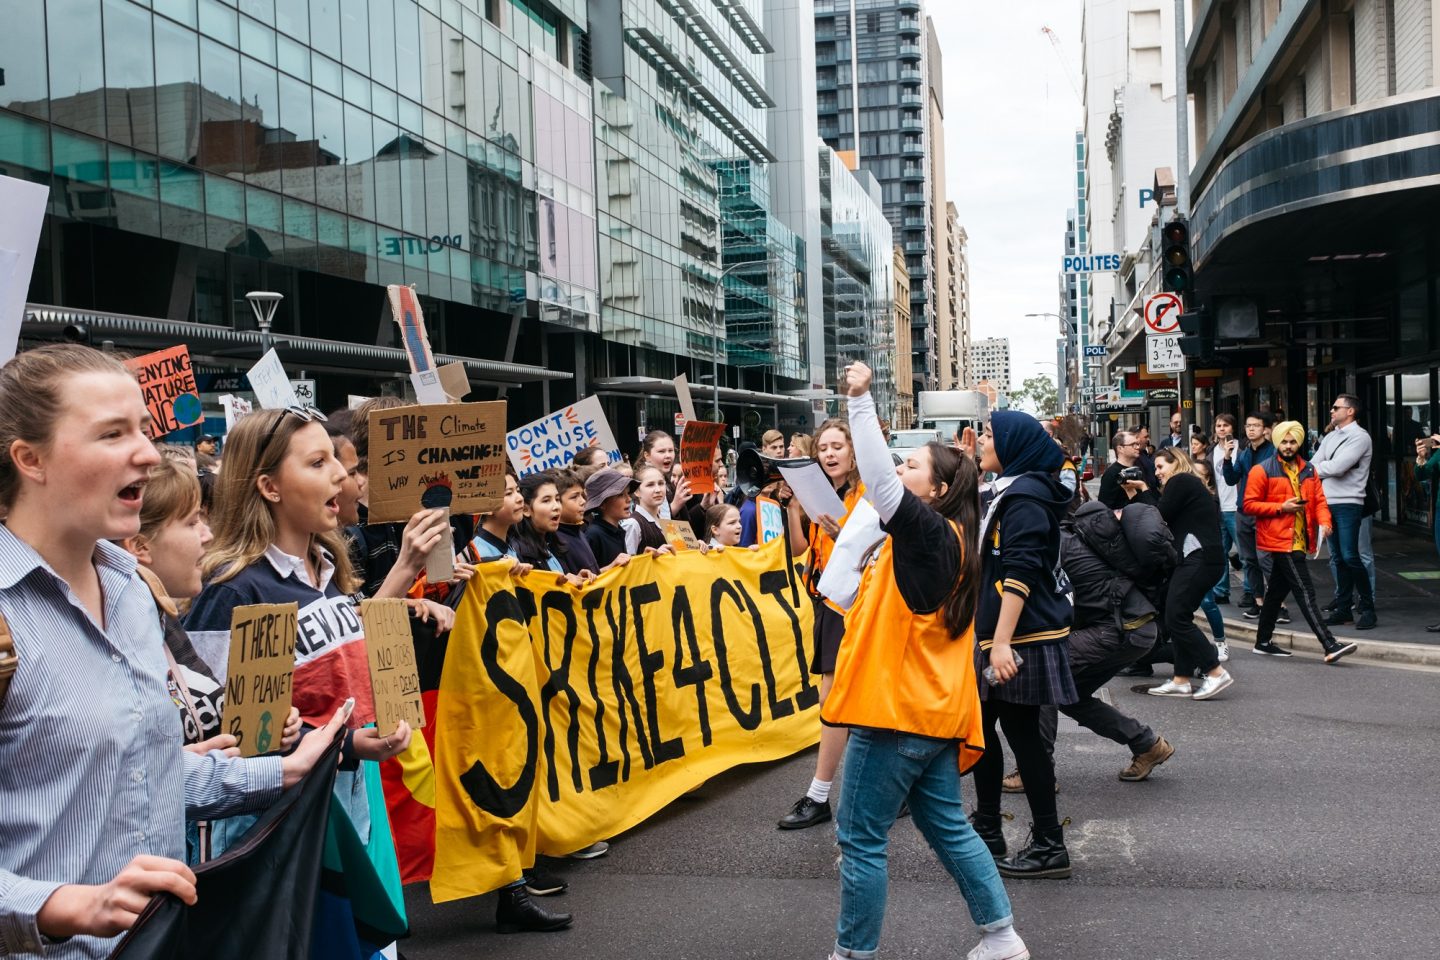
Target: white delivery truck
(950,411)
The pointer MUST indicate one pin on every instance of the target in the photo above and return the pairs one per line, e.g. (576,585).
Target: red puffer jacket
(1266,488)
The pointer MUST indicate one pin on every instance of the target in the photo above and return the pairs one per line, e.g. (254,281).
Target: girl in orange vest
(836,456)
(905,685)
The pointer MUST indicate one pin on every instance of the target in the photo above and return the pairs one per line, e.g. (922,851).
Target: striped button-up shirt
(92,772)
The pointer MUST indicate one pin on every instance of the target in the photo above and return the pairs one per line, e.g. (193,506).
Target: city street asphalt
(1297,818)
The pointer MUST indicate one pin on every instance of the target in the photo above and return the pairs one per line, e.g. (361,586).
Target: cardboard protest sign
(455,381)
(236,409)
(679,534)
(271,384)
(258,678)
(554,439)
(394,675)
(697,454)
(769,520)
(448,455)
(682,394)
(168,384)
(23,204)
(411,320)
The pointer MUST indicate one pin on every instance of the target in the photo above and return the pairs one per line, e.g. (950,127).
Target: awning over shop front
(223,345)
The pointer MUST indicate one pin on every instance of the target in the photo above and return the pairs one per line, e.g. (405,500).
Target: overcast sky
(1011,114)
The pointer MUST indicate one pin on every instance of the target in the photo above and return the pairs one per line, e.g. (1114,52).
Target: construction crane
(1064,64)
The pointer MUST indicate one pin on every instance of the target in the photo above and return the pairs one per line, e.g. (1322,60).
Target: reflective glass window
(24,144)
(293,19)
(387,173)
(22,52)
(357,88)
(382,42)
(257,40)
(325,26)
(355,34)
(181,10)
(76,65)
(432,77)
(326,74)
(261,100)
(329,151)
(407,48)
(294,57)
(263,217)
(182,204)
(177,90)
(134,191)
(262,10)
(359,162)
(129,75)
(220,22)
(296,116)
(221,129)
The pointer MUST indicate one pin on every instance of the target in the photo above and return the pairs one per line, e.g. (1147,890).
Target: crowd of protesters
(997,599)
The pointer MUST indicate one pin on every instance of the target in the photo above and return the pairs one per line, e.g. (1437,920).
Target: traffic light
(1175,254)
(1197,334)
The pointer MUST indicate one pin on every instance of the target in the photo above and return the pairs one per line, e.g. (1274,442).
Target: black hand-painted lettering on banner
(778,708)
(776,583)
(682,622)
(625,688)
(651,662)
(556,603)
(605,772)
(479,783)
(748,719)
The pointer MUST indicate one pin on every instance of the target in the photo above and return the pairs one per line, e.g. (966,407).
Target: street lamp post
(263,304)
(715,330)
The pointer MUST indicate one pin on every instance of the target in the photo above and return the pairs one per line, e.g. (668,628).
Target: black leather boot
(988,826)
(1045,856)
(515,912)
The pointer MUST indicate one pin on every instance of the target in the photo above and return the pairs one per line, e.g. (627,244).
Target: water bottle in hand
(989,672)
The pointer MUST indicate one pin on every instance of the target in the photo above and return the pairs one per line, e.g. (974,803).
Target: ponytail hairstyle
(30,399)
(241,519)
(959,503)
(531,546)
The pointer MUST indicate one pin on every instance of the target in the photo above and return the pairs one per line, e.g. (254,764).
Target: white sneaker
(1213,685)
(1014,950)
(1170,689)
(1222,651)
(597,849)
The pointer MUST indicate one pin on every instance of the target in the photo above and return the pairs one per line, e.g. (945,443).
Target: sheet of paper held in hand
(394,676)
(258,677)
(840,580)
(813,489)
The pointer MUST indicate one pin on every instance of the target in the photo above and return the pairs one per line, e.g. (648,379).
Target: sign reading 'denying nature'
(553,440)
(257,680)
(697,454)
(436,455)
(168,384)
(394,675)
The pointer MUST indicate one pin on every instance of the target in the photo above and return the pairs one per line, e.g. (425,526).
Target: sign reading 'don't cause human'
(258,676)
(436,455)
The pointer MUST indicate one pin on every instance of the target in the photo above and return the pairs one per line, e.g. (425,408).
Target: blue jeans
(1212,612)
(882,771)
(1249,557)
(1351,577)
(1367,557)
(1227,539)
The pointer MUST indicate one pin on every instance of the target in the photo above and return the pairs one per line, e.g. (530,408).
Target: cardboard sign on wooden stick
(417,453)
(429,390)
(258,676)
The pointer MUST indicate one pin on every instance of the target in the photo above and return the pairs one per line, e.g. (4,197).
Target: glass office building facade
(200,149)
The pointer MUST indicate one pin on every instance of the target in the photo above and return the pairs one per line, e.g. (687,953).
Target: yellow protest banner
(567,715)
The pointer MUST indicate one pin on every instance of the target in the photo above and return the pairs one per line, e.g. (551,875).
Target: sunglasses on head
(307,414)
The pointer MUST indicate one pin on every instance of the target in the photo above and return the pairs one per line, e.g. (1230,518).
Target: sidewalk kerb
(1303,641)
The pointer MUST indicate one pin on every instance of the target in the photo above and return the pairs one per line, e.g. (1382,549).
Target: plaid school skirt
(1044,678)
